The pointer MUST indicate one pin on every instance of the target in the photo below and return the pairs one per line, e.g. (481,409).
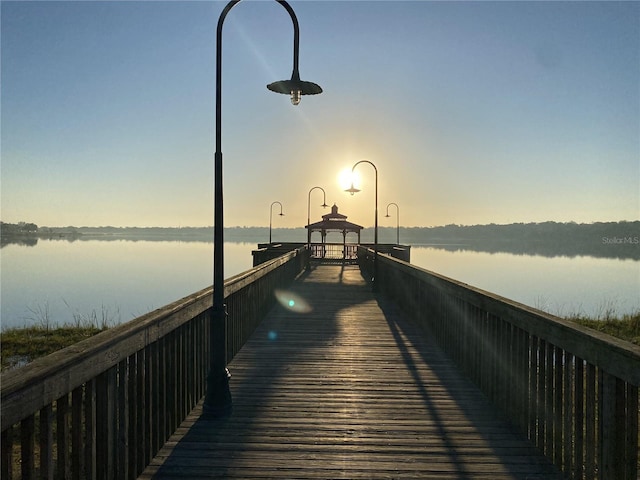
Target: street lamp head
(387,216)
(352,190)
(324,205)
(295,87)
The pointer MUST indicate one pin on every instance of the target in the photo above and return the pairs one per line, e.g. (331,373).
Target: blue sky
(472,112)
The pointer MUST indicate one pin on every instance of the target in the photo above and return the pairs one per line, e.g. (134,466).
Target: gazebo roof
(334,221)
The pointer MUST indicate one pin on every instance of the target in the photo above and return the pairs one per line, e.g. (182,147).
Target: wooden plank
(533,388)
(579,400)
(155,392)
(569,410)
(132,400)
(46,443)
(591,444)
(558,420)
(541,414)
(27,447)
(122,438)
(632,431)
(148,406)
(347,389)
(90,454)
(6,446)
(549,388)
(141,411)
(163,433)
(77,440)
(63,437)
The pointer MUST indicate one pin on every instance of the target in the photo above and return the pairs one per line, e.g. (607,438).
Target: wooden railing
(334,251)
(102,408)
(573,391)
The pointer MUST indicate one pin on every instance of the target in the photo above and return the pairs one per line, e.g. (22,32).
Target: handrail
(572,390)
(114,398)
(335,251)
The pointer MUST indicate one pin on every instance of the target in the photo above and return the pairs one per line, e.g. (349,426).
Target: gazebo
(333,222)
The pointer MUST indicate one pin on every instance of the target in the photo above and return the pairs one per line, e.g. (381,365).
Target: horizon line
(179,227)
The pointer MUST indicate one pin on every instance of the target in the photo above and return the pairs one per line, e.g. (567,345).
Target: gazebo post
(344,245)
(324,241)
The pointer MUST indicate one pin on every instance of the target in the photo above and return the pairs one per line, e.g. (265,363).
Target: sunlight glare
(346,177)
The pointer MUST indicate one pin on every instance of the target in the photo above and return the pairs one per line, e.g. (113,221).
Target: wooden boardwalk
(347,389)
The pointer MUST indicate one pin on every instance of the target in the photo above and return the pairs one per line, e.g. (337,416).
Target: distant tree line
(601,239)
(571,232)
(20,228)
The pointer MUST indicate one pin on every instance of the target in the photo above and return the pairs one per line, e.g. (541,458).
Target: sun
(346,177)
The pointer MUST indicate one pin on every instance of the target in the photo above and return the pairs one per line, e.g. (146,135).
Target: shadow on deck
(347,389)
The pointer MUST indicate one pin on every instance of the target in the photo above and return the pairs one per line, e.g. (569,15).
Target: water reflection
(118,280)
(559,285)
(112,282)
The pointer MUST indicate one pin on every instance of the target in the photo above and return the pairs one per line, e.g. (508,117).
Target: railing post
(568,416)
(612,424)
(62,434)
(90,430)
(632,433)
(123,421)
(6,447)
(27,446)
(590,421)
(77,442)
(46,442)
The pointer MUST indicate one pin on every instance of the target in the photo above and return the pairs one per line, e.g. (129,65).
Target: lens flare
(292,301)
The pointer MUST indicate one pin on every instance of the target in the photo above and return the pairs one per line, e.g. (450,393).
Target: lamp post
(353,190)
(217,402)
(324,205)
(270,216)
(397,221)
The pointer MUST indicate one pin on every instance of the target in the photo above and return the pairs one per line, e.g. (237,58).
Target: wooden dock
(347,388)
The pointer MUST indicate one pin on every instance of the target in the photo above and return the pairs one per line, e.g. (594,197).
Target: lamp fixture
(353,190)
(295,87)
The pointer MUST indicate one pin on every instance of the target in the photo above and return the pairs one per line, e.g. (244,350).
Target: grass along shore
(19,346)
(626,327)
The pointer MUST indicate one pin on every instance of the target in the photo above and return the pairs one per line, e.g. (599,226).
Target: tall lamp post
(353,190)
(271,215)
(397,221)
(324,205)
(217,402)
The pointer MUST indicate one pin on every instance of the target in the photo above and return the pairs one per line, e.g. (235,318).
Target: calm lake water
(115,281)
